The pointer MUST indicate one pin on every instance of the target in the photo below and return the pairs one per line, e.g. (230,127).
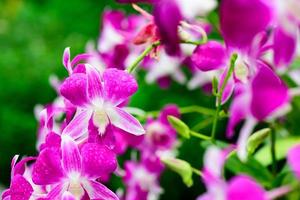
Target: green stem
(273,152)
(202,124)
(135,64)
(198,109)
(196,171)
(219,96)
(199,135)
(185,110)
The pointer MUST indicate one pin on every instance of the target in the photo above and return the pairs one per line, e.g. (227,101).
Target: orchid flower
(294,160)
(141,183)
(21,186)
(73,170)
(264,98)
(98,99)
(286,30)
(238,187)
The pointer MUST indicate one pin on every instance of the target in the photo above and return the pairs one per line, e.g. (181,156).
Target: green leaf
(182,168)
(282,146)
(179,126)
(256,139)
(251,167)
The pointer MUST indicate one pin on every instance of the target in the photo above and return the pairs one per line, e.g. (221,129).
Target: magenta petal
(125,121)
(167,17)
(169,110)
(242,20)
(294,160)
(68,196)
(71,158)
(284,47)
(94,86)
(97,160)
(268,93)
(229,88)
(20,188)
(238,110)
(243,187)
(57,192)
(209,56)
(66,60)
(118,85)
(74,89)
(47,168)
(96,190)
(79,125)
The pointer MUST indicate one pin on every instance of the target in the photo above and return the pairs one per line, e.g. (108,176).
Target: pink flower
(98,98)
(73,170)
(293,160)
(239,187)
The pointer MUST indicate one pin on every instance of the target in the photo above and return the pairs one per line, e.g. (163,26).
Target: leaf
(256,139)
(182,168)
(282,146)
(179,126)
(251,167)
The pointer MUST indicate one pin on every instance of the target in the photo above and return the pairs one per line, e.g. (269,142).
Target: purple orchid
(238,187)
(286,26)
(98,99)
(159,133)
(21,186)
(265,97)
(294,160)
(74,170)
(141,182)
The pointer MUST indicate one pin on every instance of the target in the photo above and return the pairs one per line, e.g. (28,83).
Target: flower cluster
(90,124)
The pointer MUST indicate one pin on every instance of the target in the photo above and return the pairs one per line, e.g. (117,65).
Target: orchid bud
(181,167)
(181,128)
(256,139)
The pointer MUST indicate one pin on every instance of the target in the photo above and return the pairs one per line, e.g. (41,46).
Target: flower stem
(196,171)
(220,94)
(199,135)
(273,152)
(198,109)
(135,64)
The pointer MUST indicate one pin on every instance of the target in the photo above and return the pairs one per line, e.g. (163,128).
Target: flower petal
(94,86)
(96,190)
(243,187)
(293,159)
(169,110)
(125,121)
(284,47)
(242,20)
(118,85)
(71,158)
(47,168)
(68,196)
(97,160)
(209,56)
(20,188)
(79,125)
(167,17)
(74,89)
(57,192)
(66,60)
(269,93)
(238,110)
